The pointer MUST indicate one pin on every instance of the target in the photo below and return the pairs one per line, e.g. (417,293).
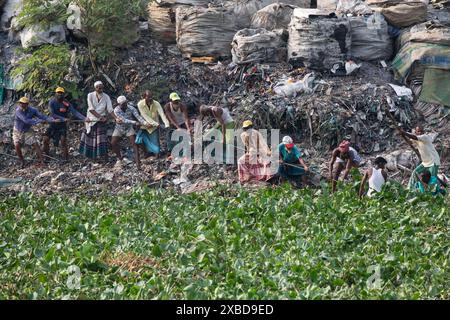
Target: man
(125,113)
(60,108)
(22,131)
(226,123)
(177,113)
(428,153)
(254,165)
(151,111)
(346,158)
(427,183)
(224,120)
(94,142)
(290,158)
(377,177)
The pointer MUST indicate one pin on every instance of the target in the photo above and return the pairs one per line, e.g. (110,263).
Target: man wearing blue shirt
(25,118)
(60,109)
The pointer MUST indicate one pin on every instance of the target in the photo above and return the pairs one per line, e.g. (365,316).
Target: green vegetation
(44,70)
(43,13)
(106,24)
(272,243)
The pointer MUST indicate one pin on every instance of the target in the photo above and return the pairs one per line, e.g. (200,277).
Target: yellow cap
(24,100)
(247,123)
(60,89)
(174,97)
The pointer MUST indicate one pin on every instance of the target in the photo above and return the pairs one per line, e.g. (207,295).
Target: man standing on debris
(254,165)
(345,158)
(94,143)
(22,131)
(151,111)
(224,121)
(428,153)
(60,108)
(290,158)
(377,177)
(125,113)
(177,113)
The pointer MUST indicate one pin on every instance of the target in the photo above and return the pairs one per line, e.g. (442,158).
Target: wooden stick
(388,113)
(9,155)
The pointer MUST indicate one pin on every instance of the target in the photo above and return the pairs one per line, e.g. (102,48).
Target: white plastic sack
(370,38)
(162,21)
(34,36)
(317,40)
(74,20)
(428,32)
(259,45)
(205,31)
(351,66)
(245,9)
(10,10)
(355,7)
(402,91)
(329,5)
(290,87)
(274,16)
(402,14)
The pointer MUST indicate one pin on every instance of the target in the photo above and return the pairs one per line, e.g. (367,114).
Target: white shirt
(427,150)
(101,104)
(376,182)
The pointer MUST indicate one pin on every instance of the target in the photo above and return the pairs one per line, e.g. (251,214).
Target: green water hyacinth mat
(226,244)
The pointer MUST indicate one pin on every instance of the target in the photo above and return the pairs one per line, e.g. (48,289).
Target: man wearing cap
(345,158)
(177,113)
(60,109)
(151,111)
(22,132)
(127,116)
(290,158)
(94,142)
(254,165)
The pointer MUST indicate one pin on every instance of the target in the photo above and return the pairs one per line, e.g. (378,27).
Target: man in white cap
(290,158)
(94,143)
(127,116)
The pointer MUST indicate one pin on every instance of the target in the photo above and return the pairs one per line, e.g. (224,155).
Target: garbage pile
(324,109)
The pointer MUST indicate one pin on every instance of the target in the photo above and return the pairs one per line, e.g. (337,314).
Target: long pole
(394,122)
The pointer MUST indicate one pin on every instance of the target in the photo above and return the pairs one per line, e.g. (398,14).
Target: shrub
(44,70)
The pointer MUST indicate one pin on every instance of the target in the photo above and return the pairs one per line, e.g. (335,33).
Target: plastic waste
(351,66)
(291,87)
(402,91)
